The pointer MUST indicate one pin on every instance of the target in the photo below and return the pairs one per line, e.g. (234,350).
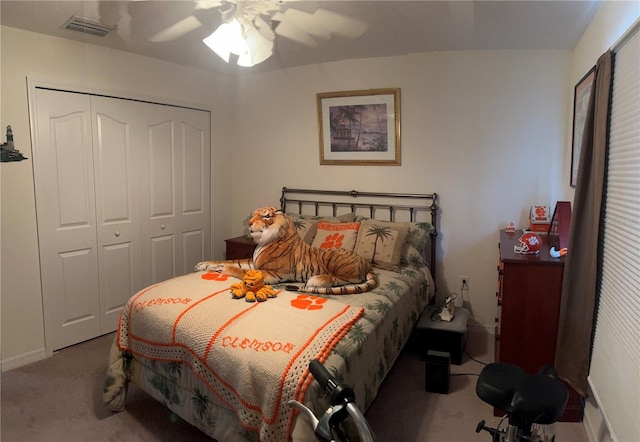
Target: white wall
(488,130)
(26,55)
(484,129)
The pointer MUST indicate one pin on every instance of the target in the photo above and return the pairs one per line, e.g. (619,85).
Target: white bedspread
(253,356)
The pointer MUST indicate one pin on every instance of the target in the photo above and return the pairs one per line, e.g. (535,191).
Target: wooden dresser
(239,247)
(529,292)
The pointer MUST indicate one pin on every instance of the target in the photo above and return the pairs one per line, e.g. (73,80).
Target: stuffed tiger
(283,256)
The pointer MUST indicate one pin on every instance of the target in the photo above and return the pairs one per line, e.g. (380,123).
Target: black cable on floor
(464,348)
(474,359)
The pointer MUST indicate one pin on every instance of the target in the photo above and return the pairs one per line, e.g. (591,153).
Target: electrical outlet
(464,284)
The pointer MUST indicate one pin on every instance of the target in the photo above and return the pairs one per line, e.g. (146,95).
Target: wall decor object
(8,151)
(359,127)
(581,95)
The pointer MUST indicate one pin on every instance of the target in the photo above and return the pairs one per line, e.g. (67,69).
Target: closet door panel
(64,184)
(176,232)
(75,271)
(160,240)
(116,144)
(193,185)
(162,167)
(193,248)
(119,284)
(113,162)
(195,215)
(163,251)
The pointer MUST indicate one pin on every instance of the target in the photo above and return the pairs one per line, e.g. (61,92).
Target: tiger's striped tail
(352,289)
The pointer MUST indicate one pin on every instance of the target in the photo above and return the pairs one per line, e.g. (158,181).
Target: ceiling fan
(259,22)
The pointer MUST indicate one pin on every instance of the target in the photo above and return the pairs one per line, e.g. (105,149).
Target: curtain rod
(626,36)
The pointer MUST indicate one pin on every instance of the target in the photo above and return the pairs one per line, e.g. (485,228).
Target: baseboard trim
(589,427)
(474,327)
(23,359)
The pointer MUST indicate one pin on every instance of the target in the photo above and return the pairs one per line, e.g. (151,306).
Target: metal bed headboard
(411,204)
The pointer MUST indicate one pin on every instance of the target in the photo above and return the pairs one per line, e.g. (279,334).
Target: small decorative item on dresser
(539,219)
(240,247)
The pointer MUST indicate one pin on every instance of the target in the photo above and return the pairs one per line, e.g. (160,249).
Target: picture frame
(581,95)
(360,127)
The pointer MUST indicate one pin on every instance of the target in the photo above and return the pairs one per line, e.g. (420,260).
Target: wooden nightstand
(239,247)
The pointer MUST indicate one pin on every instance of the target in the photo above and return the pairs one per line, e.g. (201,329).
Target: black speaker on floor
(437,371)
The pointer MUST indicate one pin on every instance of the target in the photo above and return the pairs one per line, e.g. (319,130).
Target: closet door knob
(117,233)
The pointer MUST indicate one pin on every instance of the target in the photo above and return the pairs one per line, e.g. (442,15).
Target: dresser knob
(117,233)
(162,227)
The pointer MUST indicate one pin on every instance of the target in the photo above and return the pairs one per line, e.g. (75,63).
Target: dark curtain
(577,320)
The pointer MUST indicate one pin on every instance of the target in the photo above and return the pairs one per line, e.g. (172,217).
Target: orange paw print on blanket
(308,302)
(215,276)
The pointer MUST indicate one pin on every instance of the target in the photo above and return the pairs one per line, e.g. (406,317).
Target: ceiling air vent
(87,26)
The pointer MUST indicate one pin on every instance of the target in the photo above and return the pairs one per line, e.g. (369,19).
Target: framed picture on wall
(581,95)
(359,127)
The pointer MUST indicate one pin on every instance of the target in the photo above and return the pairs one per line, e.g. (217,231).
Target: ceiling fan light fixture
(259,47)
(244,40)
(227,39)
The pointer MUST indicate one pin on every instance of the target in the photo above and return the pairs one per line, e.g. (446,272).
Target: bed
(229,367)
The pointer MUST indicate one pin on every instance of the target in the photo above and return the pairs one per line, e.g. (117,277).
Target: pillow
(381,242)
(418,236)
(341,235)
(307,224)
(347,217)
(306,229)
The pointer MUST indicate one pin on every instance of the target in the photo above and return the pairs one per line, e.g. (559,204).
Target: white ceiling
(393,28)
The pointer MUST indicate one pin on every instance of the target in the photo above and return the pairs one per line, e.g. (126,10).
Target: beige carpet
(60,399)
(403,411)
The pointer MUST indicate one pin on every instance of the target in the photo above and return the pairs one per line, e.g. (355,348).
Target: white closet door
(176,188)
(65,198)
(117,153)
(123,201)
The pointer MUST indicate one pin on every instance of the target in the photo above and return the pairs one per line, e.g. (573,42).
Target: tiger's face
(267,225)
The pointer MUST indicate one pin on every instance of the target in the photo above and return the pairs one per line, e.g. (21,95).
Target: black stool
(446,336)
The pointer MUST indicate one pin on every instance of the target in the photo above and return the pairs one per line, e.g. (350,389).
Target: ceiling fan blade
(289,30)
(338,23)
(302,26)
(208,4)
(264,28)
(176,30)
(306,22)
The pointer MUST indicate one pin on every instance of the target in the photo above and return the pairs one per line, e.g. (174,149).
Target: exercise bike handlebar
(322,376)
(341,400)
